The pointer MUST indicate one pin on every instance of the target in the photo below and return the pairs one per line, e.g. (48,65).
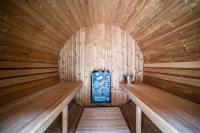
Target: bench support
(138,120)
(65,120)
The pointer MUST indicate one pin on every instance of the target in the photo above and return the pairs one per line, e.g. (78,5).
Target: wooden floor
(101,120)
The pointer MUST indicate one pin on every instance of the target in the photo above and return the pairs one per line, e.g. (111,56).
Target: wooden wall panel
(176,79)
(28,50)
(13,88)
(100,47)
(170,43)
(169,38)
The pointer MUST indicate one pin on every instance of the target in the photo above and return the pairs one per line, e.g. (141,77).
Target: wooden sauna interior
(49,48)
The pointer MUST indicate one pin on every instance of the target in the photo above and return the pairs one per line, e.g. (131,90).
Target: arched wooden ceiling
(166,30)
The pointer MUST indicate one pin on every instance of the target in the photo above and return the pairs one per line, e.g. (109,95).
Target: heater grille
(101,88)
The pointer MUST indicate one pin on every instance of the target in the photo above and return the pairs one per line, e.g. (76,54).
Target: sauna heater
(101,88)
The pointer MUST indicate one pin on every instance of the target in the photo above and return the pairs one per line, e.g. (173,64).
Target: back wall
(100,47)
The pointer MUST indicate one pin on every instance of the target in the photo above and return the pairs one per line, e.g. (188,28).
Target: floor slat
(101,120)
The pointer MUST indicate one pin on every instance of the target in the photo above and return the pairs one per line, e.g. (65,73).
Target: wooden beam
(65,120)
(192,65)
(179,72)
(138,119)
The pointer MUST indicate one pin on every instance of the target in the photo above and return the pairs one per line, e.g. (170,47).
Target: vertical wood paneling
(65,120)
(100,47)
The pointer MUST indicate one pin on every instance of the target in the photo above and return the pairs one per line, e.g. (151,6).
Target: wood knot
(171,23)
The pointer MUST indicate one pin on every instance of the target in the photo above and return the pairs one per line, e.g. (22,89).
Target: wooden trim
(138,119)
(192,65)
(65,120)
(181,80)
(13,64)
(179,72)
(19,80)
(22,72)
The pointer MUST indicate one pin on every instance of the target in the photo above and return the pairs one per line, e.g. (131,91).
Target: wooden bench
(34,113)
(170,113)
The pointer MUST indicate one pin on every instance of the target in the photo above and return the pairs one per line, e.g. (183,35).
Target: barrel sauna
(100,66)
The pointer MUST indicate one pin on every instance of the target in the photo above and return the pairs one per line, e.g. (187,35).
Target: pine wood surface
(168,112)
(101,47)
(181,78)
(32,33)
(101,120)
(166,31)
(19,79)
(36,112)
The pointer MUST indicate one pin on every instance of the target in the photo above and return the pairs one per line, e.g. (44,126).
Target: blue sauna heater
(101,88)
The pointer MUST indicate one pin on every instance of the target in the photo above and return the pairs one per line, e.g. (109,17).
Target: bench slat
(36,112)
(167,111)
